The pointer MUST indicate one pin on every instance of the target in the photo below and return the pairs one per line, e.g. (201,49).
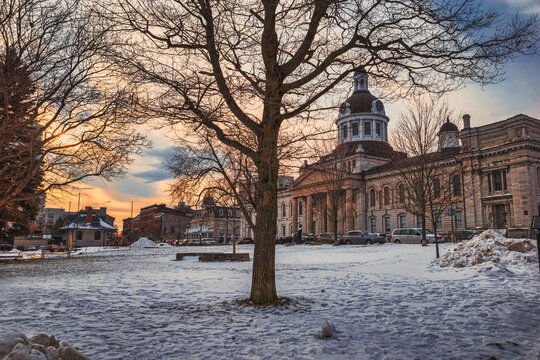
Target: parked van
(413,236)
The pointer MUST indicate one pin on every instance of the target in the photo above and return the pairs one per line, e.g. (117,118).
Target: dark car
(328,238)
(245,240)
(363,237)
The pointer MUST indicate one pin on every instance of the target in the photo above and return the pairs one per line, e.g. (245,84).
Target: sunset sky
(147,180)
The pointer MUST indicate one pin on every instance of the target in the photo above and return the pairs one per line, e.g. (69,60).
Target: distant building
(48,217)
(87,229)
(220,223)
(284,218)
(158,222)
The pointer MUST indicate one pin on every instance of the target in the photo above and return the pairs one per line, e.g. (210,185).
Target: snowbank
(142,243)
(490,248)
(18,346)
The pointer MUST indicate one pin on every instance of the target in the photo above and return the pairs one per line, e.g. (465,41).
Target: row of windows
(402,222)
(221,213)
(355,129)
(79,235)
(456,191)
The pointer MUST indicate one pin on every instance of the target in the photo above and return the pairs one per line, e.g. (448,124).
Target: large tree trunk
(263,283)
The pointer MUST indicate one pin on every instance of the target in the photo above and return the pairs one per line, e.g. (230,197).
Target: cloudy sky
(147,180)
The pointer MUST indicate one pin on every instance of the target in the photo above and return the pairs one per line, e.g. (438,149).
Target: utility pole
(69,243)
(131,222)
(77,217)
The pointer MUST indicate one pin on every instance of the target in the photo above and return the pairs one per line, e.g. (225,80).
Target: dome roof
(448,127)
(360,102)
(208,200)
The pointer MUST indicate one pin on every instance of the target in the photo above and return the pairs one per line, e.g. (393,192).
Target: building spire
(360,80)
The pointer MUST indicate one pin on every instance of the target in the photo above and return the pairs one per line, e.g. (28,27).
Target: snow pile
(489,248)
(18,346)
(142,243)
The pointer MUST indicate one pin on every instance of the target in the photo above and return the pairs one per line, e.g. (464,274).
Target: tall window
(386,225)
(386,195)
(79,235)
(354,129)
(299,208)
(401,189)
(373,224)
(456,184)
(283,210)
(438,224)
(402,221)
(344,131)
(418,221)
(378,128)
(371,197)
(367,128)
(283,230)
(459,219)
(497,180)
(290,208)
(436,188)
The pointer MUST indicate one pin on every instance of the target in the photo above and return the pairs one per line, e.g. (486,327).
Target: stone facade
(219,223)
(500,164)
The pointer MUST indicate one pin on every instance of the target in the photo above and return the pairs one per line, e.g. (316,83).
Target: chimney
(466,121)
(88,214)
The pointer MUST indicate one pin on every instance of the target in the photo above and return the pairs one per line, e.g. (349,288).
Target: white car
(413,236)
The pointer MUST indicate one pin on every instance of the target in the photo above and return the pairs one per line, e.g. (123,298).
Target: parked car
(413,236)
(245,240)
(328,238)
(363,237)
(208,242)
(383,235)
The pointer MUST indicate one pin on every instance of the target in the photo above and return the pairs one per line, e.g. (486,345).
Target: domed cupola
(448,135)
(362,115)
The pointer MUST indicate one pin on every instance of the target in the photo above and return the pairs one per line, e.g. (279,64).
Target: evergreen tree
(19,142)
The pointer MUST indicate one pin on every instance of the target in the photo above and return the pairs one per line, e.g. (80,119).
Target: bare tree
(82,124)
(426,179)
(243,69)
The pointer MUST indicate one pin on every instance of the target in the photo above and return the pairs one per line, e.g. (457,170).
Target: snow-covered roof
(102,225)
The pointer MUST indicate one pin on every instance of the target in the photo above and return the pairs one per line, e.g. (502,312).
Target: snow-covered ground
(386,302)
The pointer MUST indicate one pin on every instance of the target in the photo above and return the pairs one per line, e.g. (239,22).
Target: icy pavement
(387,302)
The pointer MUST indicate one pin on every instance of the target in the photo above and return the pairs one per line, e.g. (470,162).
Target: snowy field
(387,302)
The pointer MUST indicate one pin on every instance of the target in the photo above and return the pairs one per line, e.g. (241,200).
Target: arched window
(371,197)
(386,192)
(299,208)
(401,191)
(283,210)
(97,235)
(456,184)
(436,188)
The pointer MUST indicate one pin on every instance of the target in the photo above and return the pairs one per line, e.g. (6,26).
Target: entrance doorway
(499,216)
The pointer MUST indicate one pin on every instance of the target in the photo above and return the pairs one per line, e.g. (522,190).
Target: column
(309,215)
(349,215)
(362,209)
(329,214)
(294,214)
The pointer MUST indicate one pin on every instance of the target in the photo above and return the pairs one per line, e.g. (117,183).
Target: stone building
(158,222)
(219,223)
(501,162)
(87,228)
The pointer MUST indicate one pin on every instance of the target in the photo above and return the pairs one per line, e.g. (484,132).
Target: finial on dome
(360,79)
